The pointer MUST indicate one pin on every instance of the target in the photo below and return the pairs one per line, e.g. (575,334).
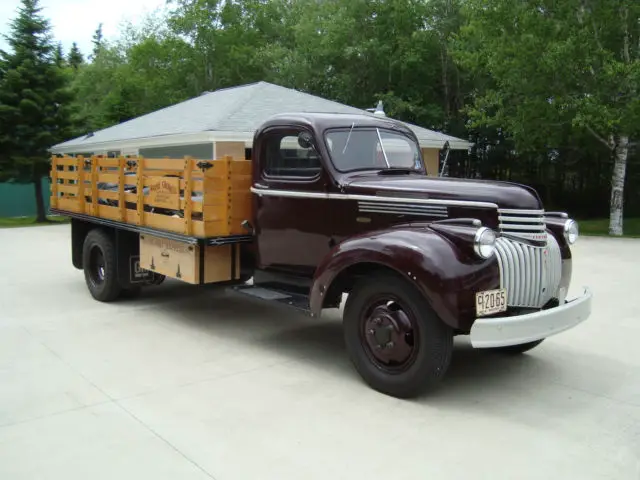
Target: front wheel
(395,340)
(517,349)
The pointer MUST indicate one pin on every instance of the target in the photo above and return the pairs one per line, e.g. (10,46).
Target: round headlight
(484,243)
(571,231)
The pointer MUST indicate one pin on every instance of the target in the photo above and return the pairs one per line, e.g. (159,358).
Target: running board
(291,299)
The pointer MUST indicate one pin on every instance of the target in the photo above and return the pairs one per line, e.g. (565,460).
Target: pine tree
(75,58)
(34,101)
(97,42)
(58,58)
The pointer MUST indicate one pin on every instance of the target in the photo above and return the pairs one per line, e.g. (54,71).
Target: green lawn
(600,226)
(30,221)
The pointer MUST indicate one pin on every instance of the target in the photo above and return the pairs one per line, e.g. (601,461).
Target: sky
(77,20)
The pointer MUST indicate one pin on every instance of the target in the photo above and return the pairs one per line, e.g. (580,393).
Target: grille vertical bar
(530,274)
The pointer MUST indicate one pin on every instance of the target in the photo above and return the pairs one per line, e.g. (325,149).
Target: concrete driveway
(187,383)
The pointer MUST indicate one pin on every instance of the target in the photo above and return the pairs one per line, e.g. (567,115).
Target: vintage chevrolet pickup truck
(335,206)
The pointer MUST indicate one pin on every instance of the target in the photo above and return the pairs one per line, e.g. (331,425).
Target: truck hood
(504,194)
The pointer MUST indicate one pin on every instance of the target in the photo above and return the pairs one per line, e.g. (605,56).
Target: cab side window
(286,158)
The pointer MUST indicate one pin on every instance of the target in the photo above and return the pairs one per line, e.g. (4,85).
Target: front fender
(447,275)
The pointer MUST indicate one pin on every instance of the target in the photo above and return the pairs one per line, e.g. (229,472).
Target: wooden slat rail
(189,196)
(54,181)
(187,202)
(94,186)
(81,183)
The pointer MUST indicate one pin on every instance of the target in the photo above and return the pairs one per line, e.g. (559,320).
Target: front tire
(395,340)
(517,349)
(100,266)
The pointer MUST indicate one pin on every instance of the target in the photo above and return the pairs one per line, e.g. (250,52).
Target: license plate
(491,301)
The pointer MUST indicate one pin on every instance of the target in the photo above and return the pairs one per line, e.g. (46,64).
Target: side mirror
(305,140)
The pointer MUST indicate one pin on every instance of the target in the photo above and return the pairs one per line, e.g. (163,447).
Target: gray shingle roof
(239,109)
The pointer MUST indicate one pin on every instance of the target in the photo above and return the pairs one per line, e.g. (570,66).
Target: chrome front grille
(530,274)
(527,224)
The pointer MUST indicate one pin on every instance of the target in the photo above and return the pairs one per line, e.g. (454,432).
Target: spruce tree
(58,56)
(75,58)
(97,42)
(34,101)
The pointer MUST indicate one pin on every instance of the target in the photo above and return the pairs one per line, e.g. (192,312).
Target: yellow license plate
(491,301)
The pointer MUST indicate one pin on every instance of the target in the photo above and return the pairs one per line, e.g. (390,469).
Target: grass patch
(600,226)
(30,221)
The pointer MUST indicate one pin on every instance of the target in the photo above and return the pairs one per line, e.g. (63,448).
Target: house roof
(227,114)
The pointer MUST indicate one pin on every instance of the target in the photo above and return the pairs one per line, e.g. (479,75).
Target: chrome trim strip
(346,196)
(408,208)
(391,204)
(520,211)
(422,208)
(534,226)
(503,218)
(405,212)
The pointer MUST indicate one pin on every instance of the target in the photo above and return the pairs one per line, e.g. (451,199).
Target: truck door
(292,224)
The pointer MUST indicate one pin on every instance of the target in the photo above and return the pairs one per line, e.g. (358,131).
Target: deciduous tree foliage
(35,104)
(557,68)
(545,90)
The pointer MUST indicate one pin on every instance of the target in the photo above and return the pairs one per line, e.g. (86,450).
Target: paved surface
(195,384)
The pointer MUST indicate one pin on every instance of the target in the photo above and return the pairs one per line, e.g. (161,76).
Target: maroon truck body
(343,205)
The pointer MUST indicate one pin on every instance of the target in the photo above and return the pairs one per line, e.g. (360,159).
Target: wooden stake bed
(197,264)
(191,198)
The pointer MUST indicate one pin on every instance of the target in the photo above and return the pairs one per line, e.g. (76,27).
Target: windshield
(372,148)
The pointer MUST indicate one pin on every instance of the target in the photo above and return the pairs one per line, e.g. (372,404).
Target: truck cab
(341,206)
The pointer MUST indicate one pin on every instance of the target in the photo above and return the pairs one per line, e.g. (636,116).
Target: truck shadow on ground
(319,343)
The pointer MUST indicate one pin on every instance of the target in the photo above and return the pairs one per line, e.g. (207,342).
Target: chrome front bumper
(505,331)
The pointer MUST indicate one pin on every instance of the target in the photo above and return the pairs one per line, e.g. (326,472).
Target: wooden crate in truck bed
(190,197)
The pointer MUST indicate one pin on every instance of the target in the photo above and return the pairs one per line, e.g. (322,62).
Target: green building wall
(19,199)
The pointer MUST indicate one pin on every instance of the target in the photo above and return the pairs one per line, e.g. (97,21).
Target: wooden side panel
(111,213)
(108,162)
(171,258)
(108,177)
(108,194)
(68,189)
(198,198)
(66,161)
(68,175)
(71,204)
(164,192)
(217,264)
(163,222)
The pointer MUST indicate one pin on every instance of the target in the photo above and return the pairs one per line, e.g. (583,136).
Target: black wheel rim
(96,266)
(388,330)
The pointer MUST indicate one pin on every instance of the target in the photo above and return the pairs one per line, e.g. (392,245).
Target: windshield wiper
(348,137)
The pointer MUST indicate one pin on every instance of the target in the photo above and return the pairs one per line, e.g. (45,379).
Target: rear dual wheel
(100,266)
(395,340)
